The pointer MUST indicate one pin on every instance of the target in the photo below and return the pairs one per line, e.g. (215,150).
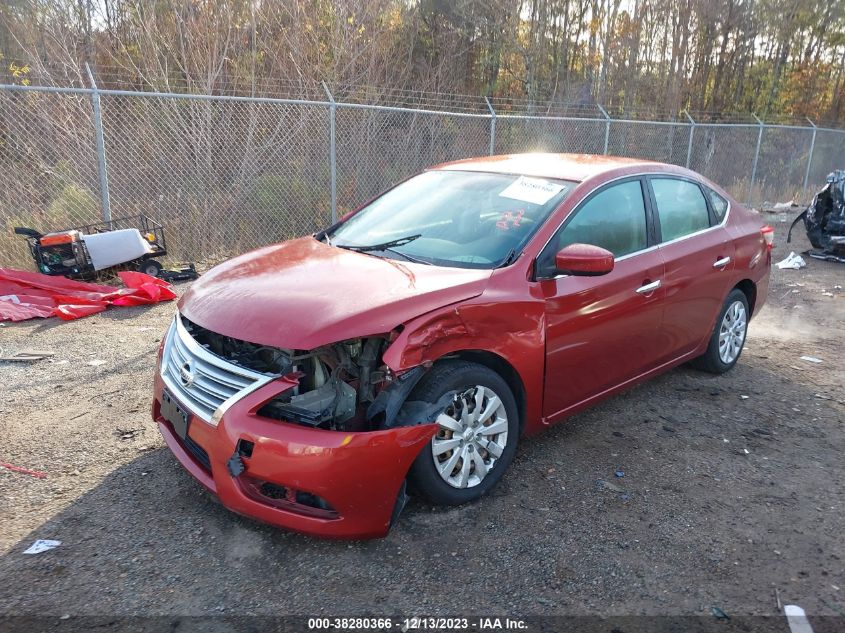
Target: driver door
(602,331)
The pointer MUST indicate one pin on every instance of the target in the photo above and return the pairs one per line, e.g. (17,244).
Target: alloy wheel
(732,332)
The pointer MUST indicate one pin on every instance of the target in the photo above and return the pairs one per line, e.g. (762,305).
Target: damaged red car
(312,384)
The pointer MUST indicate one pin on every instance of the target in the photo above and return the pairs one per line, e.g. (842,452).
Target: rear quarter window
(719,204)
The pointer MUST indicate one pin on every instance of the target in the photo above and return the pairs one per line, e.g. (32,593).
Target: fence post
(101,146)
(756,157)
(492,126)
(332,151)
(606,127)
(691,132)
(810,157)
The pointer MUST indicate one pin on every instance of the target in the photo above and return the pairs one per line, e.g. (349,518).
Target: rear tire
(150,267)
(477,437)
(728,338)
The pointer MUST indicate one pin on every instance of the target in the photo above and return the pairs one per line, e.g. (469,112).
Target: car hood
(303,294)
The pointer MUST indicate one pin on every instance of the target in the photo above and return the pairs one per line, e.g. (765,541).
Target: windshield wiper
(410,258)
(389,247)
(384,246)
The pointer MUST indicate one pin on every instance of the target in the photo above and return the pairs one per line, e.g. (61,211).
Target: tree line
(776,58)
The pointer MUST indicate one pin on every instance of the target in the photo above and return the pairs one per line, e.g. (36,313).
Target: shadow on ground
(724,499)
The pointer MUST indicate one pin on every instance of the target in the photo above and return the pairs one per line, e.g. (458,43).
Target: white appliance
(115,247)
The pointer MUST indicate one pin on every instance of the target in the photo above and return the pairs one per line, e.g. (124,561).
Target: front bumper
(359,474)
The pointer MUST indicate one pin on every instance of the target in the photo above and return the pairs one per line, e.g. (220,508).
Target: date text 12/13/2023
(417,624)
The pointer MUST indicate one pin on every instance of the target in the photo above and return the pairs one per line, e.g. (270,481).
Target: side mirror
(583,260)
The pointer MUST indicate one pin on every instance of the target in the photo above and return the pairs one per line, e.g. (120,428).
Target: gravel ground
(732,489)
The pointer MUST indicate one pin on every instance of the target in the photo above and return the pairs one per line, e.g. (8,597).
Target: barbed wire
(156,79)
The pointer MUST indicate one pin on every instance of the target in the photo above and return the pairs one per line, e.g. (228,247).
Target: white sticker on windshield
(533,190)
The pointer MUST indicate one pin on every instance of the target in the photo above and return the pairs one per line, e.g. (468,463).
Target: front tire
(477,435)
(728,338)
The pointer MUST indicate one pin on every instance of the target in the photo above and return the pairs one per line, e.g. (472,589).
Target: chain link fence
(225,174)
(379,147)
(222,175)
(49,166)
(726,155)
(515,134)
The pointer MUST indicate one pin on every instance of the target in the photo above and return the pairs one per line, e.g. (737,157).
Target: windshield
(453,218)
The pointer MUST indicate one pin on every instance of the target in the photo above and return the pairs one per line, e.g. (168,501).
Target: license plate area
(176,415)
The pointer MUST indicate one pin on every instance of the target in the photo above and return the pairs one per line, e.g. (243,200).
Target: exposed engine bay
(338,383)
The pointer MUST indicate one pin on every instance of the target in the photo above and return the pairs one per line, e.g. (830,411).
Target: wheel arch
(501,366)
(749,289)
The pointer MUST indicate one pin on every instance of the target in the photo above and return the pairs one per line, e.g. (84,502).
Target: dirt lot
(733,487)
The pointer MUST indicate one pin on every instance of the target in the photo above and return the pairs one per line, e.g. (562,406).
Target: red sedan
(308,384)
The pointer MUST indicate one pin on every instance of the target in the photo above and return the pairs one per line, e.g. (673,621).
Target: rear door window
(681,207)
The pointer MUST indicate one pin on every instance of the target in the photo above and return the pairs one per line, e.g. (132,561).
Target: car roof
(575,167)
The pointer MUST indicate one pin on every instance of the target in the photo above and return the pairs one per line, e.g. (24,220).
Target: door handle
(650,287)
(721,263)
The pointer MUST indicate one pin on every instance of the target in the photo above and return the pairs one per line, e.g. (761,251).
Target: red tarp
(27,295)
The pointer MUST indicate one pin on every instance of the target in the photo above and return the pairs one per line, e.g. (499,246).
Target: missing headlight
(269,360)
(329,405)
(336,384)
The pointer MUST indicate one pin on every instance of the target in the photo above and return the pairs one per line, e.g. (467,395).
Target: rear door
(602,331)
(698,254)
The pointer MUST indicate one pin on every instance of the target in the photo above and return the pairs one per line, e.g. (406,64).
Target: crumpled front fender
(510,331)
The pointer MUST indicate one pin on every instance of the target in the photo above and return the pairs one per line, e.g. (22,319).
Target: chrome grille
(200,380)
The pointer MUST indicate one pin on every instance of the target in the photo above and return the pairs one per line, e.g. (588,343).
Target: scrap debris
(128,434)
(792,261)
(777,207)
(606,485)
(41,545)
(27,295)
(796,618)
(28,356)
(25,471)
(824,220)
(719,614)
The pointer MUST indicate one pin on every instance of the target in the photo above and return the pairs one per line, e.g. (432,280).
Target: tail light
(769,236)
